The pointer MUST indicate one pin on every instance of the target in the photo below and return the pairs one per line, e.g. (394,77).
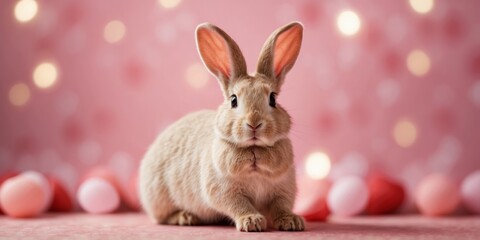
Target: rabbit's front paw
(251,223)
(183,218)
(289,223)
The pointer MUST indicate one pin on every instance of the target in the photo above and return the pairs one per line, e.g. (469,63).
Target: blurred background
(390,86)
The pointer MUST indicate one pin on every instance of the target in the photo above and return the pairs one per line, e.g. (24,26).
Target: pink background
(345,94)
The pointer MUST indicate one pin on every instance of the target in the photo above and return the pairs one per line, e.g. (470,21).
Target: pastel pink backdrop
(345,94)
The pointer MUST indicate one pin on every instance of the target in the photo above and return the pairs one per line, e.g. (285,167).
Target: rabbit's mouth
(255,141)
(258,140)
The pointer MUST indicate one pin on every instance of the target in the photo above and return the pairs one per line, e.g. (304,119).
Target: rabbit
(234,164)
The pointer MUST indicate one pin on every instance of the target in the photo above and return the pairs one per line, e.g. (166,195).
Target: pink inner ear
(287,47)
(214,51)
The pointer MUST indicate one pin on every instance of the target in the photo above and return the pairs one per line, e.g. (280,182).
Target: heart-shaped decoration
(386,195)
(311,200)
(61,201)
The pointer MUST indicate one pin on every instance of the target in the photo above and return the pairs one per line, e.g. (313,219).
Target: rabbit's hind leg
(160,212)
(155,199)
(183,218)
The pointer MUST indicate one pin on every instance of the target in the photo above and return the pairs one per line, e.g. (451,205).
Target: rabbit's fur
(235,163)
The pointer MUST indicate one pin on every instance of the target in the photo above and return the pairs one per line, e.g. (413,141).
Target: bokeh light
(317,165)
(348,23)
(418,62)
(114,31)
(169,3)
(196,75)
(45,75)
(19,94)
(421,6)
(405,133)
(25,10)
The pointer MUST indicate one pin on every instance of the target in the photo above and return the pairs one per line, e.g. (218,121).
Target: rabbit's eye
(273,102)
(233,100)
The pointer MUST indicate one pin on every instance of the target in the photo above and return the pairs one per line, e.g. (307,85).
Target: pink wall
(346,94)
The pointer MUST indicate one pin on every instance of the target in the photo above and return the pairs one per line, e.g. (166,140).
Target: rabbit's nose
(254,128)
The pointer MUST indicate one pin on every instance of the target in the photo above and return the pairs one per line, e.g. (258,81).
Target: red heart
(311,202)
(321,212)
(386,195)
(3,178)
(61,201)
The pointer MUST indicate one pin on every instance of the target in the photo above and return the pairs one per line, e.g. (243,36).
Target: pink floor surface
(137,226)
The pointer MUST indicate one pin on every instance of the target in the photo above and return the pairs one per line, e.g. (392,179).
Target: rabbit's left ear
(280,52)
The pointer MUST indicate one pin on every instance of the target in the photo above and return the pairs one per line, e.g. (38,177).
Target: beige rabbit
(236,163)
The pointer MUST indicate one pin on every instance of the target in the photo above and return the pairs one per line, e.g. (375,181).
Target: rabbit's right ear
(220,54)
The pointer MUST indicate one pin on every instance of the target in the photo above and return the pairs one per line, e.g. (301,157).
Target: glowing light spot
(114,31)
(19,94)
(348,23)
(169,3)
(197,76)
(405,133)
(45,75)
(421,6)
(25,10)
(317,165)
(418,62)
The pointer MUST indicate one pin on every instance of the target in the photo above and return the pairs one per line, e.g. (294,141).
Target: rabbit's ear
(220,54)
(280,51)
